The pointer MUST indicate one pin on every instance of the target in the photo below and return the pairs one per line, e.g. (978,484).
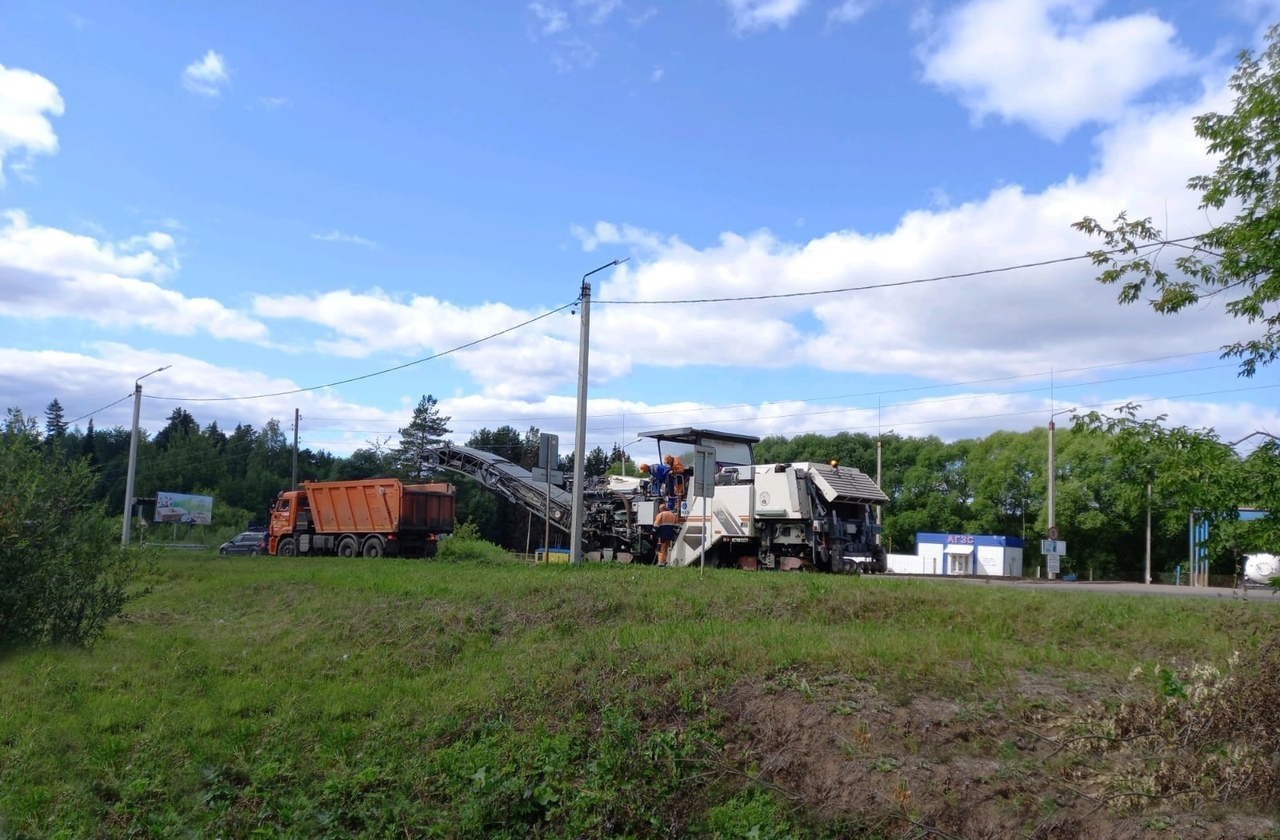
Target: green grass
(265,697)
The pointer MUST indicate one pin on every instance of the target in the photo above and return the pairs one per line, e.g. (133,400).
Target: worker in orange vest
(664,528)
(675,476)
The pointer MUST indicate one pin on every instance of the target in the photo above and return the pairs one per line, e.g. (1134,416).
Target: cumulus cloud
(1021,323)
(346,238)
(599,11)
(526,361)
(850,11)
(26,102)
(1000,324)
(550,18)
(1051,64)
(207,76)
(87,381)
(752,15)
(51,273)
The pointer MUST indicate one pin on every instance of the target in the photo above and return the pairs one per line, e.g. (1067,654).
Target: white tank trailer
(1261,568)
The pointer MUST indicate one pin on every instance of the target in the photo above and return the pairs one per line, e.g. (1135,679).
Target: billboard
(183,509)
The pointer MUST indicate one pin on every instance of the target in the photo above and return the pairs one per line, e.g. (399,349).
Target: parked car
(250,542)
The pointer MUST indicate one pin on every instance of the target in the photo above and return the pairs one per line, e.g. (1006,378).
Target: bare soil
(1040,759)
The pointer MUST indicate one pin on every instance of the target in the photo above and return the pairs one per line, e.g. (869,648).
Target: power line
(907,389)
(376,372)
(898,283)
(96,410)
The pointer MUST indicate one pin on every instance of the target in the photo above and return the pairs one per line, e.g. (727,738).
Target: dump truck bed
(380,505)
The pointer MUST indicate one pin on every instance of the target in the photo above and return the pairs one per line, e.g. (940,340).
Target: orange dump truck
(369,518)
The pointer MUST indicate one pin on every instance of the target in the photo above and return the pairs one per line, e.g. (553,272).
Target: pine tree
(426,430)
(88,449)
(55,422)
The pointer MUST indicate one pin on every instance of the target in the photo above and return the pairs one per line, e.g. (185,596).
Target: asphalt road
(1261,594)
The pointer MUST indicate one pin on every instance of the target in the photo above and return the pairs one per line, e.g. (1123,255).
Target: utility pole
(1147,574)
(580,436)
(133,457)
(1053,477)
(879,507)
(296,417)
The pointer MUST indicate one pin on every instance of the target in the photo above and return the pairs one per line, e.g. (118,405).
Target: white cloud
(207,76)
(751,15)
(347,238)
(1049,63)
(527,361)
(86,381)
(850,11)
(272,103)
(573,53)
(657,74)
(50,273)
(1019,323)
(25,100)
(598,11)
(551,18)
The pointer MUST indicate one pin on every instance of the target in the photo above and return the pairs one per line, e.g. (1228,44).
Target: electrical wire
(786,400)
(374,373)
(898,283)
(96,410)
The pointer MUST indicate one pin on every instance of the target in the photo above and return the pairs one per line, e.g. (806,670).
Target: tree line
(1109,469)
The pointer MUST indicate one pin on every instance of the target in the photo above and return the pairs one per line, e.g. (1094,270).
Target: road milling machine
(800,515)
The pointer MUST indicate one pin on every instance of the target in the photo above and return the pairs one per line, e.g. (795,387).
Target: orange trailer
(366,518)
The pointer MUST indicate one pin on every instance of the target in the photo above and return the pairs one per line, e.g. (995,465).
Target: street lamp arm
(603,267)
(145,375)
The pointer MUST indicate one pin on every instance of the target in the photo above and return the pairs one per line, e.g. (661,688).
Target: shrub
(465,544)
(63,574)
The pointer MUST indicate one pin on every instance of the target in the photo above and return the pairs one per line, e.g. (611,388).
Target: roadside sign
(1051,564)
(1053,533)
(549,452)
(1053,546)
(556,478)
(704,471)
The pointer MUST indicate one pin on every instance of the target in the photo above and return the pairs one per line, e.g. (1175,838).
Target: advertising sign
(183,509)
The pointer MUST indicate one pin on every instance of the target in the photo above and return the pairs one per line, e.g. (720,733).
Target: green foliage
(63,574)
(1238,258)
(348,698)
(466,545)
(426,429)
(1169,684)
(751,815)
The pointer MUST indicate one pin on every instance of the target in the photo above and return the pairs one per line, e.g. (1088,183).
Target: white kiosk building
(961,554)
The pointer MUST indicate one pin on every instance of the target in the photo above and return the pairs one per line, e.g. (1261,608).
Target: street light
(133,456)
(1053,520)
(580,439)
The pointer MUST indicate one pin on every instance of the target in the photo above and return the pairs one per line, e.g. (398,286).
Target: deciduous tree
(1238,259)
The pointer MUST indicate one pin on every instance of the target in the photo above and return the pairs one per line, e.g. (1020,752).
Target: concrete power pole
(133,457)
(580,434)
(296,417)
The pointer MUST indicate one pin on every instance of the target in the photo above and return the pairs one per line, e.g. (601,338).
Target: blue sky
(276,196)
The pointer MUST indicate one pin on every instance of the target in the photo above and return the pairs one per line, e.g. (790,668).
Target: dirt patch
(1008,765)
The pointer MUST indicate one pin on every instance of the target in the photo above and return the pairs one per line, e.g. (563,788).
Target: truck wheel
(373,547)
(287,547)
(347,546)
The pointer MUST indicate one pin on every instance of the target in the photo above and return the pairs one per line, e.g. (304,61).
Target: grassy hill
(264,697)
